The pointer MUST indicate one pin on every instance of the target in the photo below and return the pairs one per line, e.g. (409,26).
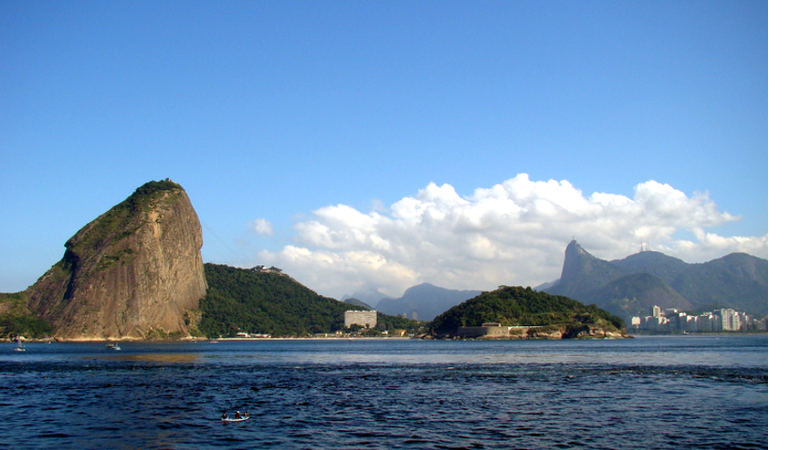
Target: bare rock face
(135,272)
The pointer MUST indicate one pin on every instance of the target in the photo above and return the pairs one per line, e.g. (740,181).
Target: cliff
(135,272)
(583,273)
(631,286)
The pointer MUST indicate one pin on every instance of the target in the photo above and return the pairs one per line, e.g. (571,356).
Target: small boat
(111,346)
(241,419)
(20,346)
(237,418)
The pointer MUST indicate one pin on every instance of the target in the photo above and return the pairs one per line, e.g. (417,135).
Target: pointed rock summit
(135,272)
(632,286)
(582,272)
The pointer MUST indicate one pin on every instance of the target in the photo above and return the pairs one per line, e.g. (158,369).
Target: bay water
(673,392)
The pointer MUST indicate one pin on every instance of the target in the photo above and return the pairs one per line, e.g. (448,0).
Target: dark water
(649,392)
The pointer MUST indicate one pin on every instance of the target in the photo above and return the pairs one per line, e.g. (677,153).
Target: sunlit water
(648,392)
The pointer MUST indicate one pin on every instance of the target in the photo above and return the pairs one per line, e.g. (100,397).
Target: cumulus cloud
(513,233)
(262,227)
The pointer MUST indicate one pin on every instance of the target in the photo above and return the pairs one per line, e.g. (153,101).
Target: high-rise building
(656,311)
(367,319)
(730,319)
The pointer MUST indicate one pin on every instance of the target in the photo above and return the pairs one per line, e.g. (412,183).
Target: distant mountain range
(631,286)
(625,287)
(423,302)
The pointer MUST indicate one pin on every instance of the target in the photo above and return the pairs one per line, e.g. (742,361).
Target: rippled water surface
(648,392)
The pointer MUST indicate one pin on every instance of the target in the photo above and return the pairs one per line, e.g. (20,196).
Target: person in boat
(246,414)
(237,416)
(224,416)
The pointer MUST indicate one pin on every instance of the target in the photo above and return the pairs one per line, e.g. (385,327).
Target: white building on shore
(725,319)
(367,319)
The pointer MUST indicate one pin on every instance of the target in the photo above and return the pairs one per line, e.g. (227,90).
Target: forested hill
(517,306)
(271,303)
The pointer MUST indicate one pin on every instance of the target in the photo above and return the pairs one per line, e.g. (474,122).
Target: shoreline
(325,338)
(199,339)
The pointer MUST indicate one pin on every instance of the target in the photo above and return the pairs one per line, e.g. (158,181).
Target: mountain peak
(133,272)
(425,301)
(573,248)
(582,272)
(737,280)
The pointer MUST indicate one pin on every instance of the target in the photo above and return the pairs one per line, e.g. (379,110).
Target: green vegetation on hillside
(116,225)
(272,303)
(635,295)
(27,325)
(517,306)
(17,320)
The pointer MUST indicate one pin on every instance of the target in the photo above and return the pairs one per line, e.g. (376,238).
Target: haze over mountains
(631,286)
(423,302)
(625,287)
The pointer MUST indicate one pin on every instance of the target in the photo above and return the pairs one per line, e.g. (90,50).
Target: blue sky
(371,146)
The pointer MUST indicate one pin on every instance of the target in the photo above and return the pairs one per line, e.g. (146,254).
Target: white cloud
(335,274)
(710,246)
(262,227)
(513,233)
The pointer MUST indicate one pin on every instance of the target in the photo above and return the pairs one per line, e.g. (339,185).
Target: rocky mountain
(134,272)
(631,286)
(424,301)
